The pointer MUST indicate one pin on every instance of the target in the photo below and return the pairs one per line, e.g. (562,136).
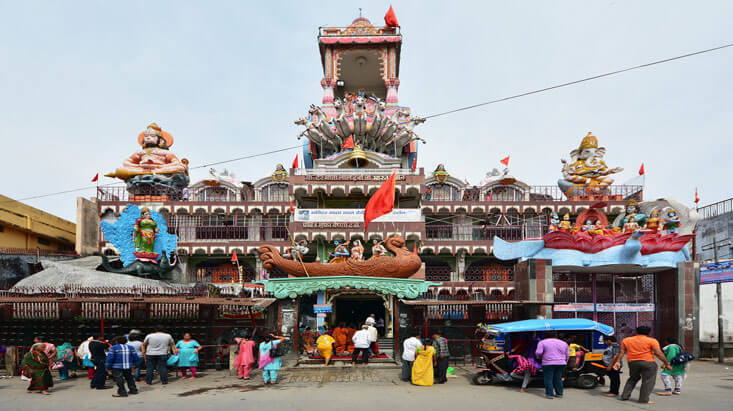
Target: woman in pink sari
(245,358)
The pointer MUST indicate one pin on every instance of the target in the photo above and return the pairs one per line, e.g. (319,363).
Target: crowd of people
(425,362)
(121,358)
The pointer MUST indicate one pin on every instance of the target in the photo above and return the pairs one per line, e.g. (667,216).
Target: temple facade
(484,250)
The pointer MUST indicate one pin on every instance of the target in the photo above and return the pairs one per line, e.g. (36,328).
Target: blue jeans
(137,373)
(156,362)
(269,375)
(552,375)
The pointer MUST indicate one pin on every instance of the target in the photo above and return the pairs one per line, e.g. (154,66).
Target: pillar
(687,279)
(392,85)
(460,274)
(328,85)
(533,282)
(87,226)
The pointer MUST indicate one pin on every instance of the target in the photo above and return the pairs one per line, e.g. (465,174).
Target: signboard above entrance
(349,215)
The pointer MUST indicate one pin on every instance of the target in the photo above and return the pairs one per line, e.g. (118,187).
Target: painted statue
(341,253)
(653,223)
(632,212)
(587,172)
(145,231)
(630,226)
(565,224)
(297,250)
(280,175)
(378,249)
(554,222)
(154,165)
(357,251)
(671,221)
(440,174)
(141,237)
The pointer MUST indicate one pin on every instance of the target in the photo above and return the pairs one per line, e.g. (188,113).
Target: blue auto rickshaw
(500,341)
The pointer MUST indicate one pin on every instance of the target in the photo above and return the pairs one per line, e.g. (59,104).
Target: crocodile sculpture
(142,269)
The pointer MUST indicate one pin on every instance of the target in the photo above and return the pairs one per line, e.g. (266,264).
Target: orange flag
(234,257)
(349,143)
(641,169)
(505,161)
(295,162)
(381,203)
(390,19)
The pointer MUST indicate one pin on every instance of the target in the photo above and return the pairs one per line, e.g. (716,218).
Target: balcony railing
(716,209)
(356,172)
(349,31)
(539,194)
(150,194)
(467,232)
(187,234)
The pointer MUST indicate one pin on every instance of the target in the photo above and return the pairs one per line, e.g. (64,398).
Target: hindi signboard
(354,215)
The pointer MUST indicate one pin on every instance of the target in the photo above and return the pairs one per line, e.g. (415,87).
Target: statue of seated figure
(154,164)
(587,173)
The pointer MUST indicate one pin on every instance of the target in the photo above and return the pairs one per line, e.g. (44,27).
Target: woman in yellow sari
(422,368)
(324,344)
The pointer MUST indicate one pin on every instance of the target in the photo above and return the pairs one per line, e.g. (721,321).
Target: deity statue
(632,212)
(357,251)
(144,232)
(280,175)
(630,226)
(378,249)
(341,253)
(153,165)
(440,174)
(587,172)
(565,224)
(653,223)
(554,222)
(671,221)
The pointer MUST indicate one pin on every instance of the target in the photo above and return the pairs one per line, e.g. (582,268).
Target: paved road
(709,387)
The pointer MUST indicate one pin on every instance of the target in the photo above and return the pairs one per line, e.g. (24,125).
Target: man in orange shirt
(641,350)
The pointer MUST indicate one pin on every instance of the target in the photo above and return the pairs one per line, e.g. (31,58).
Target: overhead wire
(541,90)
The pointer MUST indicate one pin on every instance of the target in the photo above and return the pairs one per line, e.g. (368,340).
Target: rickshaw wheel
(482,378)
(586,381)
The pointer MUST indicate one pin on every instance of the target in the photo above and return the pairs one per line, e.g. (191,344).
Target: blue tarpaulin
(559,324)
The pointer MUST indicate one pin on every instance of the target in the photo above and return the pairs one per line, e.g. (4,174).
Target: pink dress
(245,358)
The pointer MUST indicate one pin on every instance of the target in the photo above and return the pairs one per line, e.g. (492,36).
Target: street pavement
(709,386)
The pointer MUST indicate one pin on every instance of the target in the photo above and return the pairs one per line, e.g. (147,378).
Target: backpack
(682,357)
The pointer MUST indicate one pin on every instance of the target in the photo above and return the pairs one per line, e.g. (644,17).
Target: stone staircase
(386,346)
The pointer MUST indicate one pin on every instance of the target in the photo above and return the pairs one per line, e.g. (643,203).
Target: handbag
(681,358)
(276,351)
(172,360)
(86,362)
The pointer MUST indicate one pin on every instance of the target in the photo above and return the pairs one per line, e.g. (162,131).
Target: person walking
(554,354)
(442,356)
(324,345)
(609,357)
(155,350)
(35,365)
(677,373)
(245,357)
(188,355)
(270,364)
(408,354)
(135,340)
(380,327)
(362,340)
(120,361)
(97,348)
(640,350)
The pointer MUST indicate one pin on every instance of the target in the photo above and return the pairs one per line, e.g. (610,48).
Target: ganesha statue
(154,165)
(587,173)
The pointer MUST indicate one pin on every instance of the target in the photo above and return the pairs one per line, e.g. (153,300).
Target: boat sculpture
(403,264)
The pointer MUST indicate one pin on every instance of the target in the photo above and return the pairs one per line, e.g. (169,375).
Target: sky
(80,80)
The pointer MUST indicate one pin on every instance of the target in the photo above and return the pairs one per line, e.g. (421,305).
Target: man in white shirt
(371,320)
(373,336)
(361,341)
(408,354)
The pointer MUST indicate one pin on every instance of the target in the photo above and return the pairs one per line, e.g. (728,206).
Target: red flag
(641,169)
(382,202)
(414,163)
(96,177)
(349,143)
(697,199)
(295,162)
(292,209)
(414,250)
(234,257)
(390,19)
(505,161)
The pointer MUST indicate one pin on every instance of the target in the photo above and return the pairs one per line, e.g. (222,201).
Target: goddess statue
(145,230)
(153,164)
(587,173)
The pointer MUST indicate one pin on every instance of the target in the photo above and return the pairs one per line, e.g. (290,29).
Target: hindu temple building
(289,248)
